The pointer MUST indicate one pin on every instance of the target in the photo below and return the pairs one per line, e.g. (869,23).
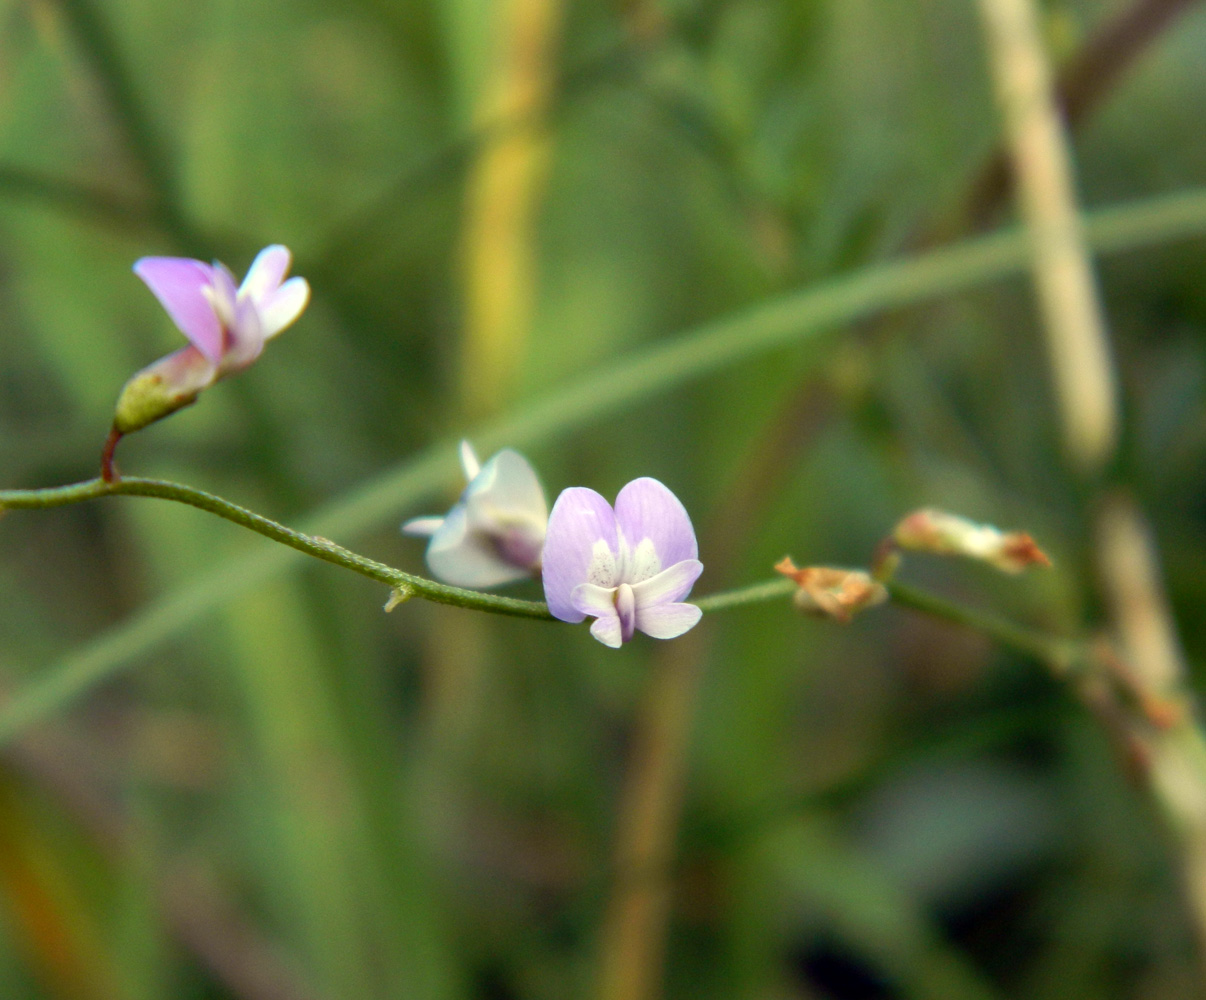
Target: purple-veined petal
(180,285)
(670,585)
(607,630)
(647,509)
(279,309)
(424,527)
(266,273)
(462,557)
(665,621)
(598,602)
(580,520)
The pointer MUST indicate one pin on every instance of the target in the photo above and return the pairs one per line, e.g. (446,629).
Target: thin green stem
(1061,655)
(407,584)
(66,684)
(755,593)
(1058,653)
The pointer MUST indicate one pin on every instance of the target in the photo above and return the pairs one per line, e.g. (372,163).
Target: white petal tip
(668,621)
(469,461)
(423,526)
(607,631)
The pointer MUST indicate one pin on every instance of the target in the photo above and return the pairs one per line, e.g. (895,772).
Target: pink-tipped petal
(266,273)
(647,509)
(580,519)
(608,631)
(665,621)
(670,585)
(424,527)
(279,309)
(180,285)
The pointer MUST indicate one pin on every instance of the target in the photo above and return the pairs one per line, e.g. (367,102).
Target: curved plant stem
(407,584)
(1058,653)
(1061,655)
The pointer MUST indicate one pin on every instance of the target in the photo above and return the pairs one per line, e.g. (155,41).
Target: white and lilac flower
(226,327)
(495,533)
(628,568)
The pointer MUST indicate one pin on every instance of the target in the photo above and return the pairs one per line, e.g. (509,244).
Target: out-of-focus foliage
(424,804)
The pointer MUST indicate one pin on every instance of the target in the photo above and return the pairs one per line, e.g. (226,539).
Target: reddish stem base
(108,472)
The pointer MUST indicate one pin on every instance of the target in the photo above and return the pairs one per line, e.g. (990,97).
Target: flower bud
(839,594)
(940,533)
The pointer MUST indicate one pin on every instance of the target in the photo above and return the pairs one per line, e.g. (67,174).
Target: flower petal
(244,339)
(283,306)
(508,483)
(607,631)
(266,273)
(423,526)
(670,585)
(222,298)
(665,621)
(469,462)
(647,509)
(464,558)
(590,599)
(580,519)
(179,283)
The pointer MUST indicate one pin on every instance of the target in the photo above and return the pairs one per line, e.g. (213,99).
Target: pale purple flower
(495,533)
(628,568)
(226,327)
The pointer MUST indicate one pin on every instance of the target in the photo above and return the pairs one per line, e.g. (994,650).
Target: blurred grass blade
(503,193)
(55,922)
(692,355)
(877,920)
(102,53)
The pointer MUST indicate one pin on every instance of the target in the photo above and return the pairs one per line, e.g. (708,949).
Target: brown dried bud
(839,594)
(946,534)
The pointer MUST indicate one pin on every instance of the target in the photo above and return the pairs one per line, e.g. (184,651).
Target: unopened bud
(839,594)
(940,533)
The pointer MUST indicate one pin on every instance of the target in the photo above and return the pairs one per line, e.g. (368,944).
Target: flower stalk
(312,545)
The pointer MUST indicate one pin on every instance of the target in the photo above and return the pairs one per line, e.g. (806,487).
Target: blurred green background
(281,792)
